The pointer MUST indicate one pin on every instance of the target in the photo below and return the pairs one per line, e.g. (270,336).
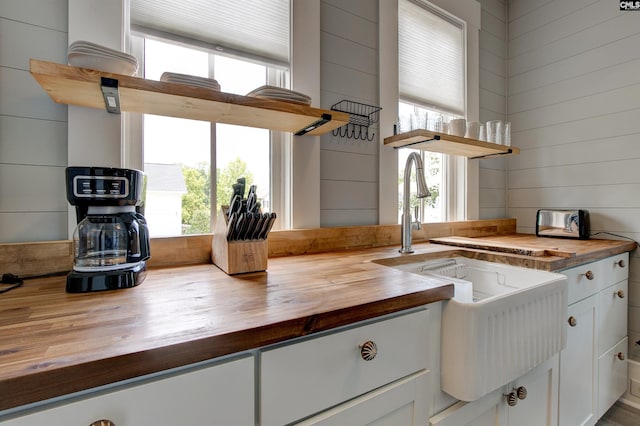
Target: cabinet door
(540,407)
(216,395)
(402,403)
(612,376)
(612,313)
(578,366)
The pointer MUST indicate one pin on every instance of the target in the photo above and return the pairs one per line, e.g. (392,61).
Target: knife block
(237,257)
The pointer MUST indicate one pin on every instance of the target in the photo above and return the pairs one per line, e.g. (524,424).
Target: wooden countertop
(54,343)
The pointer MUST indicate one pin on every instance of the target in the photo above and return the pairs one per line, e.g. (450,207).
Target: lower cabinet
(339,370)
(401,403)
(579,365)
(534,402)
(220,394)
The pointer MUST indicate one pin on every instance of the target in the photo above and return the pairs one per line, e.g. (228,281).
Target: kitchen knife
(235,205)
(251,199)
(238,228)
(257,228)
(272,219)
(231,225)
(242,182)
(264,226)
(248,231)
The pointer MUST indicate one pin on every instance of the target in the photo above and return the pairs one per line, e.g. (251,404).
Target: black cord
(10,279)
(615,235)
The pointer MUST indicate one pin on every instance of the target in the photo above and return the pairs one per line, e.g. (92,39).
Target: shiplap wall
(574,101)
(349,70)
(33,129)
(493,105)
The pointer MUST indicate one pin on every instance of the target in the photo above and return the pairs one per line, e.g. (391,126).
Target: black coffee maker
(111,241)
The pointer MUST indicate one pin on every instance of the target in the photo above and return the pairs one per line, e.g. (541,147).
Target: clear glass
(178,152)
(100,241)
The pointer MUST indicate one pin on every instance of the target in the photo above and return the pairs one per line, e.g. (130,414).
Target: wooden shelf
(448,144)
(82,87)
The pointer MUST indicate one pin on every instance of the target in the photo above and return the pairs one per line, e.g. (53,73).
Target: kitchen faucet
(423,191)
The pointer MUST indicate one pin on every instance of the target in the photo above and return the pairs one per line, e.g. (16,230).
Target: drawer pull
(573,321)
(619,293)
(620,263)
(512,399)
(103,423)
(589,275)
(521,392)
(620,356)
(368,350)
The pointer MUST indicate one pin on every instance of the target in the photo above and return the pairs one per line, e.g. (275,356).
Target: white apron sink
(501,323)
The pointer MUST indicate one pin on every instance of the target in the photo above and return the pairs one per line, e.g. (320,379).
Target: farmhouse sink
(502,321)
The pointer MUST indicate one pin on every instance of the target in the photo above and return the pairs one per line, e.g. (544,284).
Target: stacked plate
(191,80)
(280,94)
(94,56)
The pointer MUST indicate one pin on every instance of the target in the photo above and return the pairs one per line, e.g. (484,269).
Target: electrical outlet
(635,388)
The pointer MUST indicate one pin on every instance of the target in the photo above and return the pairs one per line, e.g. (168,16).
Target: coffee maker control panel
(100,186)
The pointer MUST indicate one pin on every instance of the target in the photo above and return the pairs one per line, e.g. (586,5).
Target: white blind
(255,28)
(431,58)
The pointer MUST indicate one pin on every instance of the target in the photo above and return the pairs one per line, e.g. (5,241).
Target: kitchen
(562,72)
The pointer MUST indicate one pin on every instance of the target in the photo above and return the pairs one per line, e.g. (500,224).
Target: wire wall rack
(361,116)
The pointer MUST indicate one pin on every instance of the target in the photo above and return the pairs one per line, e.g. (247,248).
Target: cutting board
(503,247)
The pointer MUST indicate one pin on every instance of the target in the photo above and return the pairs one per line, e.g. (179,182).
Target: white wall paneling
(574,85)
(349,167)
(493,91)
(33,134)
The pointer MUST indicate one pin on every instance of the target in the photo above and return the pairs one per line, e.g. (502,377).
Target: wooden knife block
(237,257)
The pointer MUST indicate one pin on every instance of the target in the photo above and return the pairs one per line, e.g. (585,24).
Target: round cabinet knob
(619,293)
(573,321)
(589,275)
(620,263)
(368,350)
(521,392)
(512,399)
(620,356)
(103,423)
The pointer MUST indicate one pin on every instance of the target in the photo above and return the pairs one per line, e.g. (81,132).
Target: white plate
(273,92)
(102,63)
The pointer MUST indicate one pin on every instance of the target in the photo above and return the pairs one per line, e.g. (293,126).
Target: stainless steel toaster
(563,224)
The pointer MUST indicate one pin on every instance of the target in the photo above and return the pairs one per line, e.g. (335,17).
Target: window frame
(279,142)
(461,173)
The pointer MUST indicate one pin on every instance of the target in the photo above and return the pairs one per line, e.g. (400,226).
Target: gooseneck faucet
(423,191)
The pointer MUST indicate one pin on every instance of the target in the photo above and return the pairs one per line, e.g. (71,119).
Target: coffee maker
(111,240)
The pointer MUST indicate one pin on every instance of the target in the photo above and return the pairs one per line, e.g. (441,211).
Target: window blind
(431,58)
(256,29)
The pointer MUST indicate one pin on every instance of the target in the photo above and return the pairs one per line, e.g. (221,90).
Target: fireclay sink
(502,321)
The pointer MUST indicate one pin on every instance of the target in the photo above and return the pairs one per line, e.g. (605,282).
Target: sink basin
(502,321)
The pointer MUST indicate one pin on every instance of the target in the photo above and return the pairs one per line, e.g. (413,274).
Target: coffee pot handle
(138,239)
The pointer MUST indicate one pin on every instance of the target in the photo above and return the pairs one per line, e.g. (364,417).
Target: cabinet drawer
(612,376)
(309,376)
(221,394)
(612,310)
(587,279)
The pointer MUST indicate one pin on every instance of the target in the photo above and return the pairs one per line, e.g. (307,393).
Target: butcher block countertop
(53,343)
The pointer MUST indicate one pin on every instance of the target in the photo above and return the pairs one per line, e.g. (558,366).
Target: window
(431,57)
(191,165)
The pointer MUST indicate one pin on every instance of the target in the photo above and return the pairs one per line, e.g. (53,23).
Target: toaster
(563,224)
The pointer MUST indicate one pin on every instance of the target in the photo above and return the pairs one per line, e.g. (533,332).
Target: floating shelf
(448,144)
(84,87)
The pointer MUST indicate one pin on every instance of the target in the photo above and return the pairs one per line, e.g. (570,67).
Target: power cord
(11,279)
(615,235)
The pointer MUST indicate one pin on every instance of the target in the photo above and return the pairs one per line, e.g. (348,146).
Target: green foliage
(227,177)
(196,203)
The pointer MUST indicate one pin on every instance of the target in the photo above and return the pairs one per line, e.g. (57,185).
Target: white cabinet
(397,404)
(308,376)
(221,394)
(539,406)
(593,370)
(579,365)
